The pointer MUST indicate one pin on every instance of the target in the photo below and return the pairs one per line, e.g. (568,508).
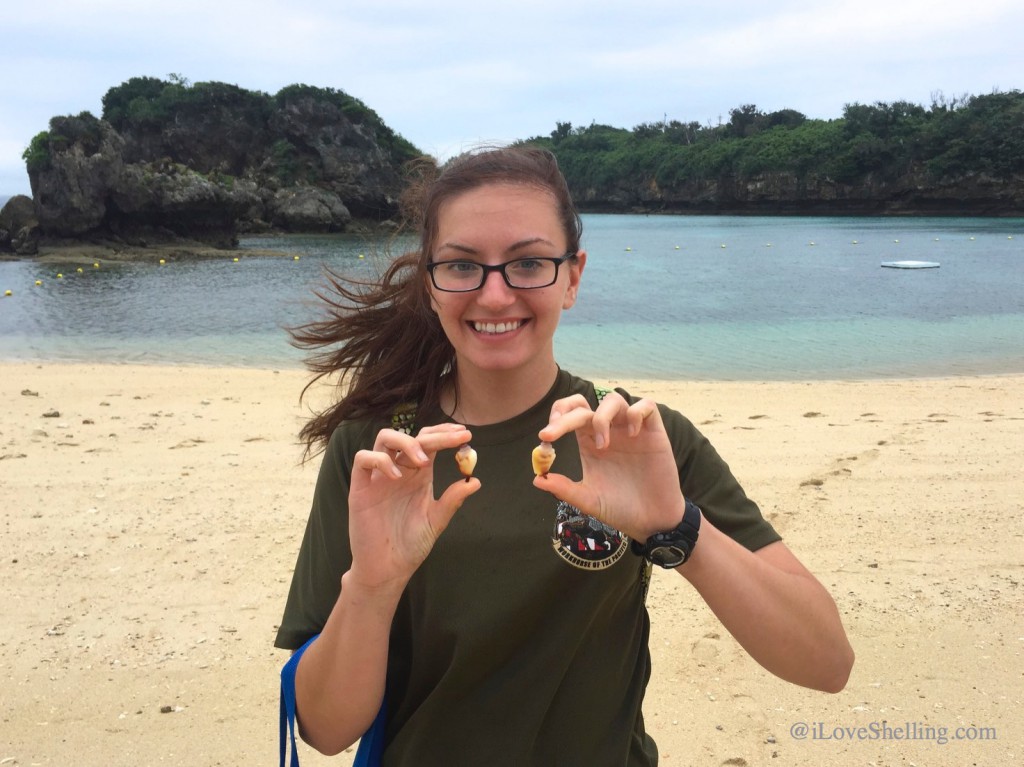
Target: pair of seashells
(543,458)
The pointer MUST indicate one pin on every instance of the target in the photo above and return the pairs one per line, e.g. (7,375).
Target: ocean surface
(707,298)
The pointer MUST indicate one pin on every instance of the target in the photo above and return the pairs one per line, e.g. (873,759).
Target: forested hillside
(961,155)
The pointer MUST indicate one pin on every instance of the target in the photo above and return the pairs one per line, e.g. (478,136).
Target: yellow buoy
(234,260)
(972,238)
(362,256)
(79,270)
(60,276)
(628,249)
(854,242)
(722,245)
(8,293)
(295,258)
(39,282)
(677,247)
(95,266)
(812,242)
(162,262)
(767,244)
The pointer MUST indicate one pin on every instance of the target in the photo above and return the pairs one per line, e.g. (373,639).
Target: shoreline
(296,366)
(152,524)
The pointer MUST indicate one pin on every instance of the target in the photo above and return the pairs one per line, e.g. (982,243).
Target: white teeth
(496,327)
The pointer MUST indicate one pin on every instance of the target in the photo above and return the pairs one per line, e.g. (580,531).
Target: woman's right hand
(394,519)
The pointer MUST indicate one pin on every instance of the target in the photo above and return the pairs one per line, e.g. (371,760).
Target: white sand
(150,529)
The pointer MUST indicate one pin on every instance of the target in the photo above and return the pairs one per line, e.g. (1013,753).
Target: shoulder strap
(371,745)
(288,705)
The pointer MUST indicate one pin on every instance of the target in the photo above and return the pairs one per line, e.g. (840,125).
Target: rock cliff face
(207,161)
(812,194)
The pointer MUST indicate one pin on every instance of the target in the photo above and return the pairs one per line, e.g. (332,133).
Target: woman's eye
(527,265)
(461,267)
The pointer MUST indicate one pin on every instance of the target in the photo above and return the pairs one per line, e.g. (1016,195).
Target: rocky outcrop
(19,228)
(308,209)
(203,162)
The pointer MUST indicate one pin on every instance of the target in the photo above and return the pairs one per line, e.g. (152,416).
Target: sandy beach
(151,517)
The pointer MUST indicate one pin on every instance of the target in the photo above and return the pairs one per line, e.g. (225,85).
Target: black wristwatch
(672,548)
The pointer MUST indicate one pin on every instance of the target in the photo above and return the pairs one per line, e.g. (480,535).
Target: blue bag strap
(288,704)
(371,745)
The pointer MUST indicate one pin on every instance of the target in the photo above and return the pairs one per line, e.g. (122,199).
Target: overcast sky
(450,74)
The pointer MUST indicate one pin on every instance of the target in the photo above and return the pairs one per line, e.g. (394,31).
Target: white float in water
(911,264)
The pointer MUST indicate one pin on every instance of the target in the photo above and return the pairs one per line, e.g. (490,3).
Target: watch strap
(683,537)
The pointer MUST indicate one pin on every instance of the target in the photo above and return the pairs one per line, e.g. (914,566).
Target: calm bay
(677,297)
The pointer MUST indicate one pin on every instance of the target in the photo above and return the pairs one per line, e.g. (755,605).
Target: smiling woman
(502,326)
(433,595)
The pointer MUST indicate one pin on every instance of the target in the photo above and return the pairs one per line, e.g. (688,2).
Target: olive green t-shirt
(522,639)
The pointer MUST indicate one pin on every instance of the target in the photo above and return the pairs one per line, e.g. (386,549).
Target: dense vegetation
(873,144)
(82,129)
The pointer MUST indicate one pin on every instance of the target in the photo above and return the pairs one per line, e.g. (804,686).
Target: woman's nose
(495,291)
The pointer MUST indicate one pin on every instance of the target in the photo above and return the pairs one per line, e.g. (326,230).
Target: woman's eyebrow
(470,251)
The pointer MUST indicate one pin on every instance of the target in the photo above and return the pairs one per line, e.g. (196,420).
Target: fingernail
(421,455)
(396,472)
(599,440)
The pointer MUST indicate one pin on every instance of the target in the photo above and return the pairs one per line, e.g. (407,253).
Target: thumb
(565,489)
(451,499)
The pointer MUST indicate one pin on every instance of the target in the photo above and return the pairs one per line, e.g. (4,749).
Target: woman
(501,611)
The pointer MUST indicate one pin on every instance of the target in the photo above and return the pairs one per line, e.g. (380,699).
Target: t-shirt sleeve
(707,480)
(325,554)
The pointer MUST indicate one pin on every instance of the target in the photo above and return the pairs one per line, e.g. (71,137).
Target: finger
(435,441)
(567,421)
(645,410)
(395,442)
(440,427)
(607,411)
(566,404)
(418,449)
(370,460)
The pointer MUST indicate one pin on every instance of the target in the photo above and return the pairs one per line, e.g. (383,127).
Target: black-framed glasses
(521,273)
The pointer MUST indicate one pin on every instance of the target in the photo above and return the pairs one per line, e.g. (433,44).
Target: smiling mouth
(495,328)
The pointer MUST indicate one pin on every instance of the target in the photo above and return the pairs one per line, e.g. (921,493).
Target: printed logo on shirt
(585,542)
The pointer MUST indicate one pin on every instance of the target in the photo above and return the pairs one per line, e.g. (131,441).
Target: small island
(174,167)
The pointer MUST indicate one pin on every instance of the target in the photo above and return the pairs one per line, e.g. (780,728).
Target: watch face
(668,556)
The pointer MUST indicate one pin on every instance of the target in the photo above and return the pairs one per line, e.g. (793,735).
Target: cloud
(446,74)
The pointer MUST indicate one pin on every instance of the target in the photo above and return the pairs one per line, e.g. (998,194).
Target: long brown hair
(381,337)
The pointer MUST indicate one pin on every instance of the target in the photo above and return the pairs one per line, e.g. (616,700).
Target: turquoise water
(674,297)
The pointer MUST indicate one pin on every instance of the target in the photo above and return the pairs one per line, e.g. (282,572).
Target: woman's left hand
(630,479)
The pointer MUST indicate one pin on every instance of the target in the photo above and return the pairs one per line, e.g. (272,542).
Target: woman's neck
(485,397)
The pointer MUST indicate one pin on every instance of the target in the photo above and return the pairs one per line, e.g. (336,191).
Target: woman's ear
(575,274)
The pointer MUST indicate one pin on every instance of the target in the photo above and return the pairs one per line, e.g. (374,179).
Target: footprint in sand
(707,648)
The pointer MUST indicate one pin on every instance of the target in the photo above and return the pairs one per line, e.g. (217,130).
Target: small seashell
(543,458)
(465,457)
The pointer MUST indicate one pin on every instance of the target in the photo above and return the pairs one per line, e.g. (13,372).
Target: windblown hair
(382,338)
